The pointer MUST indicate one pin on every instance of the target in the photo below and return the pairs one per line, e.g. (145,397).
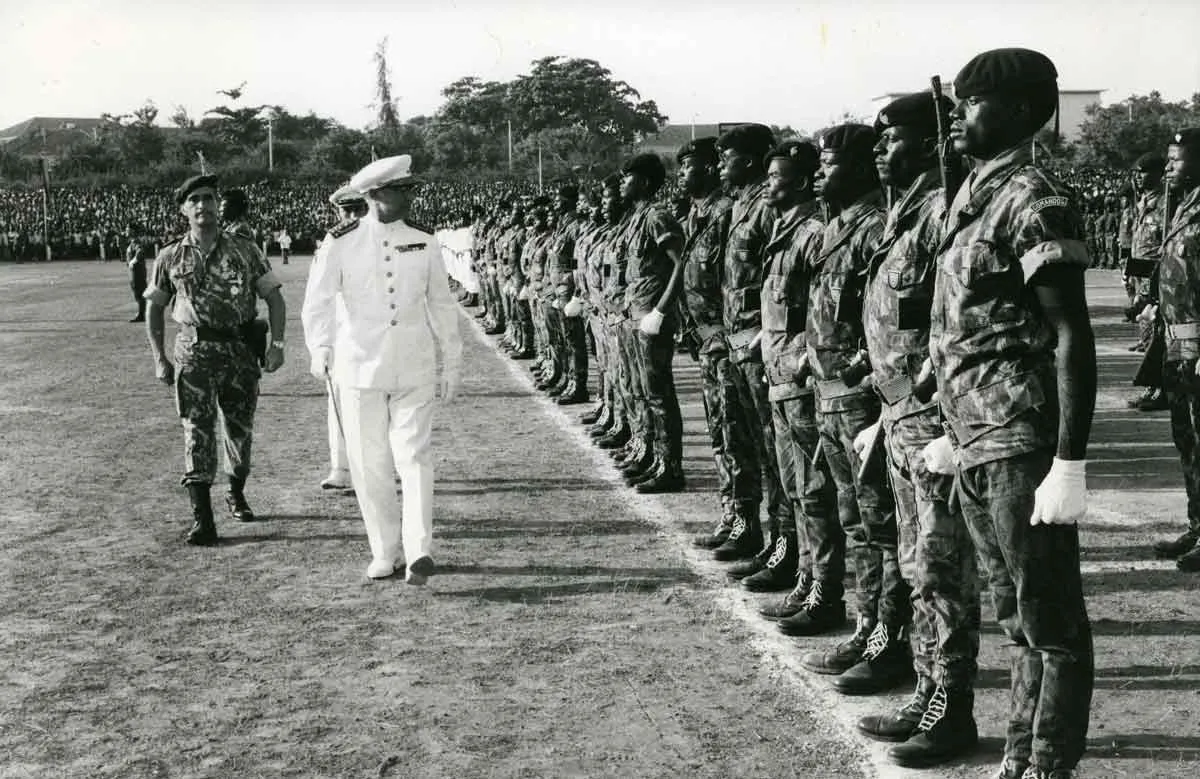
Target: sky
(804,64)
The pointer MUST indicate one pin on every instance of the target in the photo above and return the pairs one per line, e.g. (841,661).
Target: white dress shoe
(337,480)
(419,571)
(380,569)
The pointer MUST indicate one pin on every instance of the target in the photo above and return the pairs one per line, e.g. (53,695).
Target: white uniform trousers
(337,439)
(386,430)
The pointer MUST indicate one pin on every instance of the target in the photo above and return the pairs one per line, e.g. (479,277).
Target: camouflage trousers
(632,381)
(867,515)
(1185,431)
(216,383)
(493,298)
(662,420)
(600,339)
(753,443)
(807,484)
(719,394)
(1037,589)
(571,333)
(620,379)
(937,556)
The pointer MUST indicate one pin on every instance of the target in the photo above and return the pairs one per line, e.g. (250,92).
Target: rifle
(858,369)
(1151,373)
(948,167)
(873,467)
(925,385)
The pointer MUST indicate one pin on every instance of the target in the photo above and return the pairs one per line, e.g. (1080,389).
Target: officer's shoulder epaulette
(344,227)
(421,227)
(168,247)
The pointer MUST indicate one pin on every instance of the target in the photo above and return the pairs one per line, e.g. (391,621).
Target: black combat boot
(667,476)
(740,570)
(1169,550)
(595,415)
(235,499)
(900,725)
(717,536)
(792,603)
(639,458)
(779,574)
(845,655)
(745,538)
(614,438)
(559,386)
(946,731)
(204,529)
(886,663)
(575,393)
(820,614)
(1190,562)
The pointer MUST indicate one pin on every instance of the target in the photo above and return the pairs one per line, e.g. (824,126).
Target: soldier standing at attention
(137,253)
(213,278)
(1180,307)
(1146,240)
(937,557)
(1015,360)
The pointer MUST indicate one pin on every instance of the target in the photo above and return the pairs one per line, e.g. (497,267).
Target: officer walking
(382,358)
(213,278)
(137,253)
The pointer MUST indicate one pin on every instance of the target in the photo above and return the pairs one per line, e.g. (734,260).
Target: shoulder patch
(1054,201)
(343,227)
(419,226)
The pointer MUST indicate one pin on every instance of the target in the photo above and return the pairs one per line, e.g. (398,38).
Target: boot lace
(934,711)
(813,600)
(778,553)
(739,528)
(1033,772)
(1008,768)
(876,642)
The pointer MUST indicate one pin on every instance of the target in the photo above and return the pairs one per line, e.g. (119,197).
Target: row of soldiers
(898,374)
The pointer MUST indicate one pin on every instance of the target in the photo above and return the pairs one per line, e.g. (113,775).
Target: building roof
(49,124)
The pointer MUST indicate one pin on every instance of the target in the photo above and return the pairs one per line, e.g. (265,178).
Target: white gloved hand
(574,307)
(1148,314)
(523,293)
(651,324)
(1061,498)
(322,363)
(939,456)
(451,383)
(864,438)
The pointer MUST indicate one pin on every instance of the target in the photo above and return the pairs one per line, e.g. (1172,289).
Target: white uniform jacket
(398,305)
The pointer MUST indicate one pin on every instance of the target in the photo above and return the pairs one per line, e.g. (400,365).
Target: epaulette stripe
(342,228)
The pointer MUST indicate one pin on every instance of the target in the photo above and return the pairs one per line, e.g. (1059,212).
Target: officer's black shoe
(667,479)
(744,541)
(792,603)
(593,416)
(946,732)
(845,655)
(740,570)
(204,529)
(1190,562)
(900,725)
(779,574)
(1169,550)
(718,535)
(886,663)
(614,438)
(235,499)
(138,319)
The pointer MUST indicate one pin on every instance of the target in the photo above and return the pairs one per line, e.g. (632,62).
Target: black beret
(1006,70)
(1188,138)
(191,185)
(853,139)
(611,181)
(803,154)
(649,166)
(917,111)
(568,192)
(235,197)
(703,148)
(1150,162)
(752,139)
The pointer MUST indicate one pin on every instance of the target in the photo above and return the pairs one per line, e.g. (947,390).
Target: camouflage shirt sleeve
(265,280)
(661,228)
(161,289)
(1048,229)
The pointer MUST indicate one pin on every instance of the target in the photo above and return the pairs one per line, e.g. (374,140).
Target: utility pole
(510,147)
(270,142)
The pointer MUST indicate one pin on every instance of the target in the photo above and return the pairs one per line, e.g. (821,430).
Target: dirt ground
(571,632)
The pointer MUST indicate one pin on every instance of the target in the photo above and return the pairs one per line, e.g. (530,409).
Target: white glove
(556,303)
(523,293)
(651,323)
(939,456)
(1061,498)
(322,361)
(864,438)
(574,307)
(451,383)
(1148,314)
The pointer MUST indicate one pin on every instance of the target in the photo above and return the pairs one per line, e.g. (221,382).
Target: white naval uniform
(398,310)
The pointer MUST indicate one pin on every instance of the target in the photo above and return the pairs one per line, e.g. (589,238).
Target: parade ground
(571,630)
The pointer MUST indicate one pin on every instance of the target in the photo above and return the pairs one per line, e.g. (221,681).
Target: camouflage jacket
(589,258)
(706,232)
(834,327)
(560,260)
(217,291)
(1179,280)
(750,222)
(794,245)
(508,253)
(614,254)
(899,294)
(650,233)
(991,345)
(534,257)
(1148,226)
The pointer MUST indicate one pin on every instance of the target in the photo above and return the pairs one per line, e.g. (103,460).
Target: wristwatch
(277,344)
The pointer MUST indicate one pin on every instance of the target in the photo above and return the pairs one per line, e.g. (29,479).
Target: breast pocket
(774,304)
(914,298)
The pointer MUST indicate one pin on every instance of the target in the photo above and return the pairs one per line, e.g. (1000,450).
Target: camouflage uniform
(751,221)
(707,228)
(1146,244)
(795,242)
(216,369)
(568,342)
(520,327)
(834,336)
(650,232)
(1180,311)
(937,557)
(626,383)
(533,265)
(994,356)
(594,274)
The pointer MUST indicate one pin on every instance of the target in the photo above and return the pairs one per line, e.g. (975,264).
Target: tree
(1116,135)
(239,127)
(385,105)
(181,119)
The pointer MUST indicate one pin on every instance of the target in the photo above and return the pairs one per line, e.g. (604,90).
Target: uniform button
(387,258)
(393,306)
(385,243)
(393,322)
(388,274)
(390,289)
